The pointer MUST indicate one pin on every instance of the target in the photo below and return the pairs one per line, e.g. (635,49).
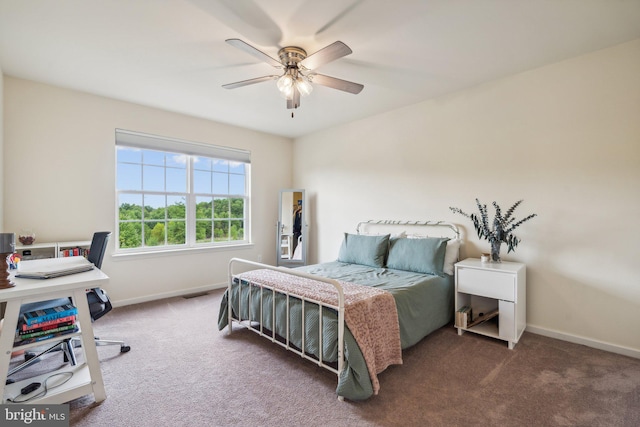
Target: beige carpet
(182,371)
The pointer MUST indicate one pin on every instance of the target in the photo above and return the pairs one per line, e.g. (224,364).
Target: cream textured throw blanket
(370,314)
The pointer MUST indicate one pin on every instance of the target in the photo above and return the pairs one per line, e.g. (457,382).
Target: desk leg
(89,344)
(7,337)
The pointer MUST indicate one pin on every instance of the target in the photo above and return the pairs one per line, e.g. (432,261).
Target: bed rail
(237,262)
(383,223)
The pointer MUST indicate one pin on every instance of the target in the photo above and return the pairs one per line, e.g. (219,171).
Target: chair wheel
(125,349)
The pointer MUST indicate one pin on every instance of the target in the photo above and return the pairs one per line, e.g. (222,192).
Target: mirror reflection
(291,229)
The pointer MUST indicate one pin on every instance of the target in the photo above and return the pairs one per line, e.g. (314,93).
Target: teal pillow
(364,250)
(424,255)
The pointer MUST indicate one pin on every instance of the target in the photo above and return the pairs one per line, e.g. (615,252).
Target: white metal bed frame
(286,344)
(236,262)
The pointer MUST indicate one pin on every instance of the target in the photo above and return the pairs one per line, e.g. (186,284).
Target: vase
(495,251)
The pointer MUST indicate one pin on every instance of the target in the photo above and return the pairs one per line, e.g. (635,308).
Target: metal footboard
(271,335)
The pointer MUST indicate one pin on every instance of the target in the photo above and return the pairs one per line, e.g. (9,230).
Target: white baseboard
(589,342)
(178,293)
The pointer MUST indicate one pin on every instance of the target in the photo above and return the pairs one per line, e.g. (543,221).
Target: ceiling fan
(298,70)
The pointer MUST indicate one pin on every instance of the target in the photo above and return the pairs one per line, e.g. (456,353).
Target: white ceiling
(171,54)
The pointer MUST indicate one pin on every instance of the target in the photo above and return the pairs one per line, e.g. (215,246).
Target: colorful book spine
(46,332)
(45,337)
(77,251)
(53,313)
(48,328)
(50,323)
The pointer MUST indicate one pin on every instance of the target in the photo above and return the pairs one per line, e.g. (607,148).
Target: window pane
(176,180)
(202,182)
(130,206)
(154,233)
(220,183)
(220,207)
(237,208)
(236,231)
(176,207)
(203,208)
(176,234)
(129,176)
(130,234)
(220,165)
(235,167)
(150,157)
(220,230)
(202,163)
(236,184)
(154,207)
(177,160)
(203,231)
(153,178)
(128,154)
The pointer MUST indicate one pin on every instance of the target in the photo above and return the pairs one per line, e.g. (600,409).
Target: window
(176,194)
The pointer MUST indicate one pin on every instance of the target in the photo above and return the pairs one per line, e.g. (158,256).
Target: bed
(391,285)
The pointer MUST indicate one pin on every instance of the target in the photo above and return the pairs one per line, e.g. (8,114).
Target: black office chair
(99,305)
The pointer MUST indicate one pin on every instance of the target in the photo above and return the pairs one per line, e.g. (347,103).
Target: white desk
(87,377)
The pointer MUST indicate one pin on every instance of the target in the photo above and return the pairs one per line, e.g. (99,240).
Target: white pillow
(451,256)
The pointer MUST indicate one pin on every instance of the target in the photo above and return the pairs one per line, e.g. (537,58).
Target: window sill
(121,256)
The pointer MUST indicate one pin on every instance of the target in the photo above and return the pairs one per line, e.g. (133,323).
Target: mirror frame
(281,232)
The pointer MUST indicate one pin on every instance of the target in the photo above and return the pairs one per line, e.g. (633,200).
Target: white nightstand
(486,287)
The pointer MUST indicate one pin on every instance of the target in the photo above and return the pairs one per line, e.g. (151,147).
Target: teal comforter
(424,303)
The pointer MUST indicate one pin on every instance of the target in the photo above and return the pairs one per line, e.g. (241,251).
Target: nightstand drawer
(490,284)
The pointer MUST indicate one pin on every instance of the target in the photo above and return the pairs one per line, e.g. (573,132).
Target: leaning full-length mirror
(292,241)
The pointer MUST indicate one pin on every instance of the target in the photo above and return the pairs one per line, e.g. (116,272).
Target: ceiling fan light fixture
(304,86)
(287,93)
(285,83)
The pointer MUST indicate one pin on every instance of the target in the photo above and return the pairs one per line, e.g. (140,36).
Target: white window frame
(142,141)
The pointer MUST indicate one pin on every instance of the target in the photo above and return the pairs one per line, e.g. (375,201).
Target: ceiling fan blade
(325,55)
(294,102)
(319,16)
(255,52)
(335,83)
(245,17)
(249,82)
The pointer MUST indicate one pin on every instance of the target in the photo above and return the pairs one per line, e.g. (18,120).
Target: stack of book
(39,325)
(464,316)
(77,251)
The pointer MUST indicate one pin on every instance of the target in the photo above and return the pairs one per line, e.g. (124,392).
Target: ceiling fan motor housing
(290,56)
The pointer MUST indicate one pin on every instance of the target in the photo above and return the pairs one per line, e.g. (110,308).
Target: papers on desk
(55,267)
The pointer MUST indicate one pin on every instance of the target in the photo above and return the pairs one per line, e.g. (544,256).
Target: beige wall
(565,138)
(1,151)
(59,172)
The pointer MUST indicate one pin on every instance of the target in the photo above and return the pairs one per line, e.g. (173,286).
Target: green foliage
(500,230)
(218,219)
(130,235)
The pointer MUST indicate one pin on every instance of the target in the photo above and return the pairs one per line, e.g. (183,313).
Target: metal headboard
(448,225)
